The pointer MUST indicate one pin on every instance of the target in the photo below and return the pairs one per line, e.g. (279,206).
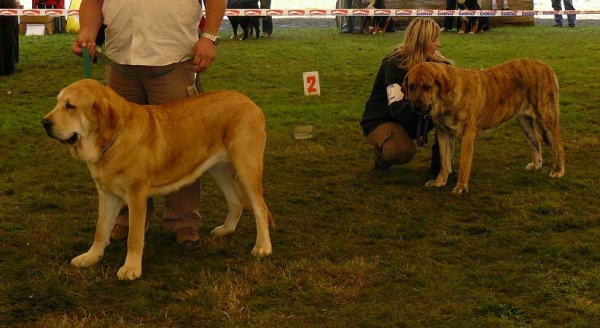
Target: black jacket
(377,111)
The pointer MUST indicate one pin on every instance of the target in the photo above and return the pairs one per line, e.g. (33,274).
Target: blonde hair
(419,34)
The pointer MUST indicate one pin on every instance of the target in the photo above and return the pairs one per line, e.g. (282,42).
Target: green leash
(87,64)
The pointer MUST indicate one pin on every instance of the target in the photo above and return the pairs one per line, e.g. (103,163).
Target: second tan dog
(135,151)
(465,102)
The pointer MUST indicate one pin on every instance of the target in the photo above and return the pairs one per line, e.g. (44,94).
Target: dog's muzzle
(48,129)
(421,110)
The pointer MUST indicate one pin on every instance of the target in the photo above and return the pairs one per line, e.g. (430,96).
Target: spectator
(388,120)
(449,20)
(558,19)
(9,39)
(352,24)
(147,40)
(267,21)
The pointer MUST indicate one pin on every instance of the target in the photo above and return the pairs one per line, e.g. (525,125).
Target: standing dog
(473,24)
(135,151)
(245,22)
(381,24)
(464,102)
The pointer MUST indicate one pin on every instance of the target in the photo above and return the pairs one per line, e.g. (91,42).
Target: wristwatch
(214,38)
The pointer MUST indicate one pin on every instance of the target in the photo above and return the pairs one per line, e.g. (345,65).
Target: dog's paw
(459,190)
(129,272)
(262,250)
(86,259)
(533,167)
(434,183)
(557,174)
(220,231)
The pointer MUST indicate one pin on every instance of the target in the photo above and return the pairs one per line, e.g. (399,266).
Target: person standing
(352,24)
(9,39)
(151,38)
(558,19)
(267,21)
(388,120)
(449,20)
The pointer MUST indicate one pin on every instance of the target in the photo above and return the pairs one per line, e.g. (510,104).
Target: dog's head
(425,86)
(82,119)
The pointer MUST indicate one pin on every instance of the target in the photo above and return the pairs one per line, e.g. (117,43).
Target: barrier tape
(337,12)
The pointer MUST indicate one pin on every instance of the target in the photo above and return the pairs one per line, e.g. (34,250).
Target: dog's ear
(404,87)
(444,84)
(107,117)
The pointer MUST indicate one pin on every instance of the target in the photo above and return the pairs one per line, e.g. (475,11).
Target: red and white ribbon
(336,12)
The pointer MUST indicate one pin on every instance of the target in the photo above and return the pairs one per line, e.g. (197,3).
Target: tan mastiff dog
(464,102)
(135,151)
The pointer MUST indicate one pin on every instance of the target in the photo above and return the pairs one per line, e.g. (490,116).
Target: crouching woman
(388,121)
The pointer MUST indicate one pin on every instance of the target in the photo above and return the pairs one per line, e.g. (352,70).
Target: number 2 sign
(311,84)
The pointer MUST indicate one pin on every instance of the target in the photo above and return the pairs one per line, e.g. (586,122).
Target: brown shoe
(119,232)
(187,238)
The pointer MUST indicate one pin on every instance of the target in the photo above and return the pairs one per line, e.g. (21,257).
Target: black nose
(47,124)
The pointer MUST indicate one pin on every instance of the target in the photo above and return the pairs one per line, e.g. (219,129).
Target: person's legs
(181,215)
(347,21)
(267,21)
(358,22)
(449,20)
(556,5)
(570,18)
(9,40)
(393,145)
(132,90)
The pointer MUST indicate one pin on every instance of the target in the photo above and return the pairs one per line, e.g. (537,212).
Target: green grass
(352,248)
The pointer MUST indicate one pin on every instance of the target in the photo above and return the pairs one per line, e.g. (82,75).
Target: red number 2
(311,80)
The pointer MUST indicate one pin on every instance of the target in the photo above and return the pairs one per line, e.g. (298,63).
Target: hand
(83,41)
(205,53)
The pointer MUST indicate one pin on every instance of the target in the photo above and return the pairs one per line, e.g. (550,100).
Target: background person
(558,19)
(9,39)
(351,24)
(388,120)
(267,21)
(149,40)
(449,20)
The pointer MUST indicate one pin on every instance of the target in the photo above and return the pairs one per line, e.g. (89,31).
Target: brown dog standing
(135,151)
(465,102)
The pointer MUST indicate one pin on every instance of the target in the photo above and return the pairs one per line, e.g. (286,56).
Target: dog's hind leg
(527,125)
(224,177)
(249,168)
(108,210)
(549,123)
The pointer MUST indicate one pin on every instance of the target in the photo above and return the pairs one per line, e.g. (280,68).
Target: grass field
(352,248)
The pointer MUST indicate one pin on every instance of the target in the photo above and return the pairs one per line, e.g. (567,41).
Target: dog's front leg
(108,210)
(446,143)
(474,26)
(467,146)
(132,269)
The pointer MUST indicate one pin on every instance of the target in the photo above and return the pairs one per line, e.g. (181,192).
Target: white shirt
(150,32)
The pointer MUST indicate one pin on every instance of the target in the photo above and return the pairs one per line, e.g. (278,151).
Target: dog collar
(110,143)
